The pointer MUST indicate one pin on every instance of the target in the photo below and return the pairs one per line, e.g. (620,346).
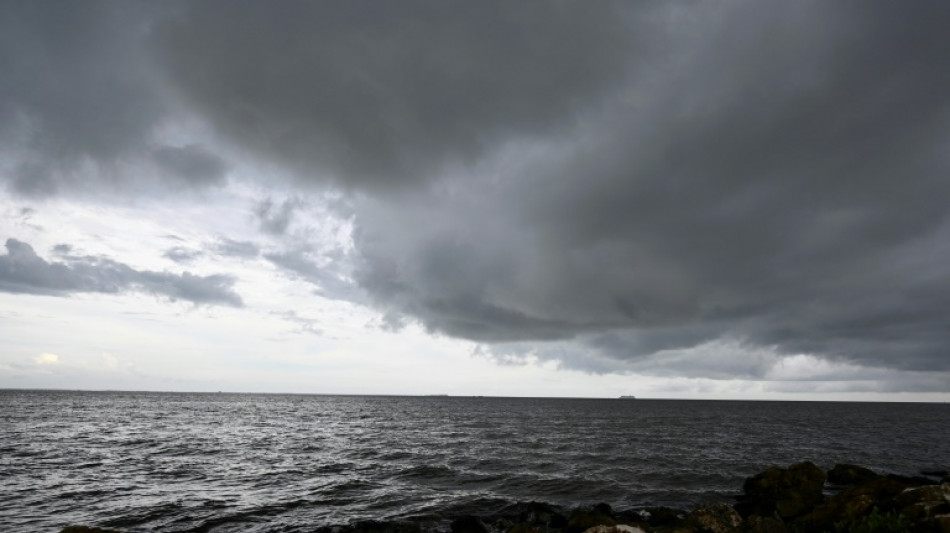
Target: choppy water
(234,462)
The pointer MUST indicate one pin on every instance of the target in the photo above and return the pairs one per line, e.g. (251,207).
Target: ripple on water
(209,462)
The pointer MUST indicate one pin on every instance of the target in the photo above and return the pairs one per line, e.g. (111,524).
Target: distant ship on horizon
(628,397)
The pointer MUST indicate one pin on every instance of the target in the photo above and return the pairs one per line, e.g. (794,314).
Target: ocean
(182,462)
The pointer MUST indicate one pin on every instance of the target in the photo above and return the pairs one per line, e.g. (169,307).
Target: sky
(734,199)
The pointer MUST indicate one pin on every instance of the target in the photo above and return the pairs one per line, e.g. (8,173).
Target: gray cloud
(232,248)
(181,254)
(192,163)
(275,218)
(325,272)
(23,271)
(303,324)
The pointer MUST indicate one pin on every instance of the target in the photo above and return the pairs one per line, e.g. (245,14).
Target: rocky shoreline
(798,499)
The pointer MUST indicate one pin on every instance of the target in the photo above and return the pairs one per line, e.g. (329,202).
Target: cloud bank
(609,182)
(23,271)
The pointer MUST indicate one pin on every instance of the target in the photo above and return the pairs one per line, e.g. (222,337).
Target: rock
(540,515)
(86,529)
(764,524)
(615,529)
(663,516)
(373,526)
(936,473)
(911,481)
(853,503)
(790,492)
(632,517)
(848,474)
(924,494)
(524,527)
(468,524)
(714,518)
(651,517)
(922,503)
(942,523)
(583,518)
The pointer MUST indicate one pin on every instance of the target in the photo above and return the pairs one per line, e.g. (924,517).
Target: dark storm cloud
(23,271)
(79,99)
(383,95)
(782,180)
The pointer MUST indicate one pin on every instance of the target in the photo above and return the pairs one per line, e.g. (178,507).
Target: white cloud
(46,359)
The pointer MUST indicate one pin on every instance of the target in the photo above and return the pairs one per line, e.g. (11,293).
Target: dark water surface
(243,462)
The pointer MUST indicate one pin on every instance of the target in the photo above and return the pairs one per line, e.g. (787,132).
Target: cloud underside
(23,271)
(621,180)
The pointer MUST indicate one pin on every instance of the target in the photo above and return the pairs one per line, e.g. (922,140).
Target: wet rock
(524,527)
(663,516)
(942,523)
(468,524)
(924,494)
(936,473)
(923,503)
(539,515)
(789,492)
(714,518)
(911,481)
(848,474)
(584,518)
(373,526)
(852,503)
(86,529)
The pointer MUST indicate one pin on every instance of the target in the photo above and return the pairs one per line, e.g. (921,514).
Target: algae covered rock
(714,518)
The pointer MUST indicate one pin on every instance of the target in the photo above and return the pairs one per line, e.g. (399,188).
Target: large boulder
(921,503)
(787,492)
(851,503)
(884,493)
(848,474)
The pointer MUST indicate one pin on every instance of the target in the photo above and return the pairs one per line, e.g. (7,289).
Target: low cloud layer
(23,271)
(618,181)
